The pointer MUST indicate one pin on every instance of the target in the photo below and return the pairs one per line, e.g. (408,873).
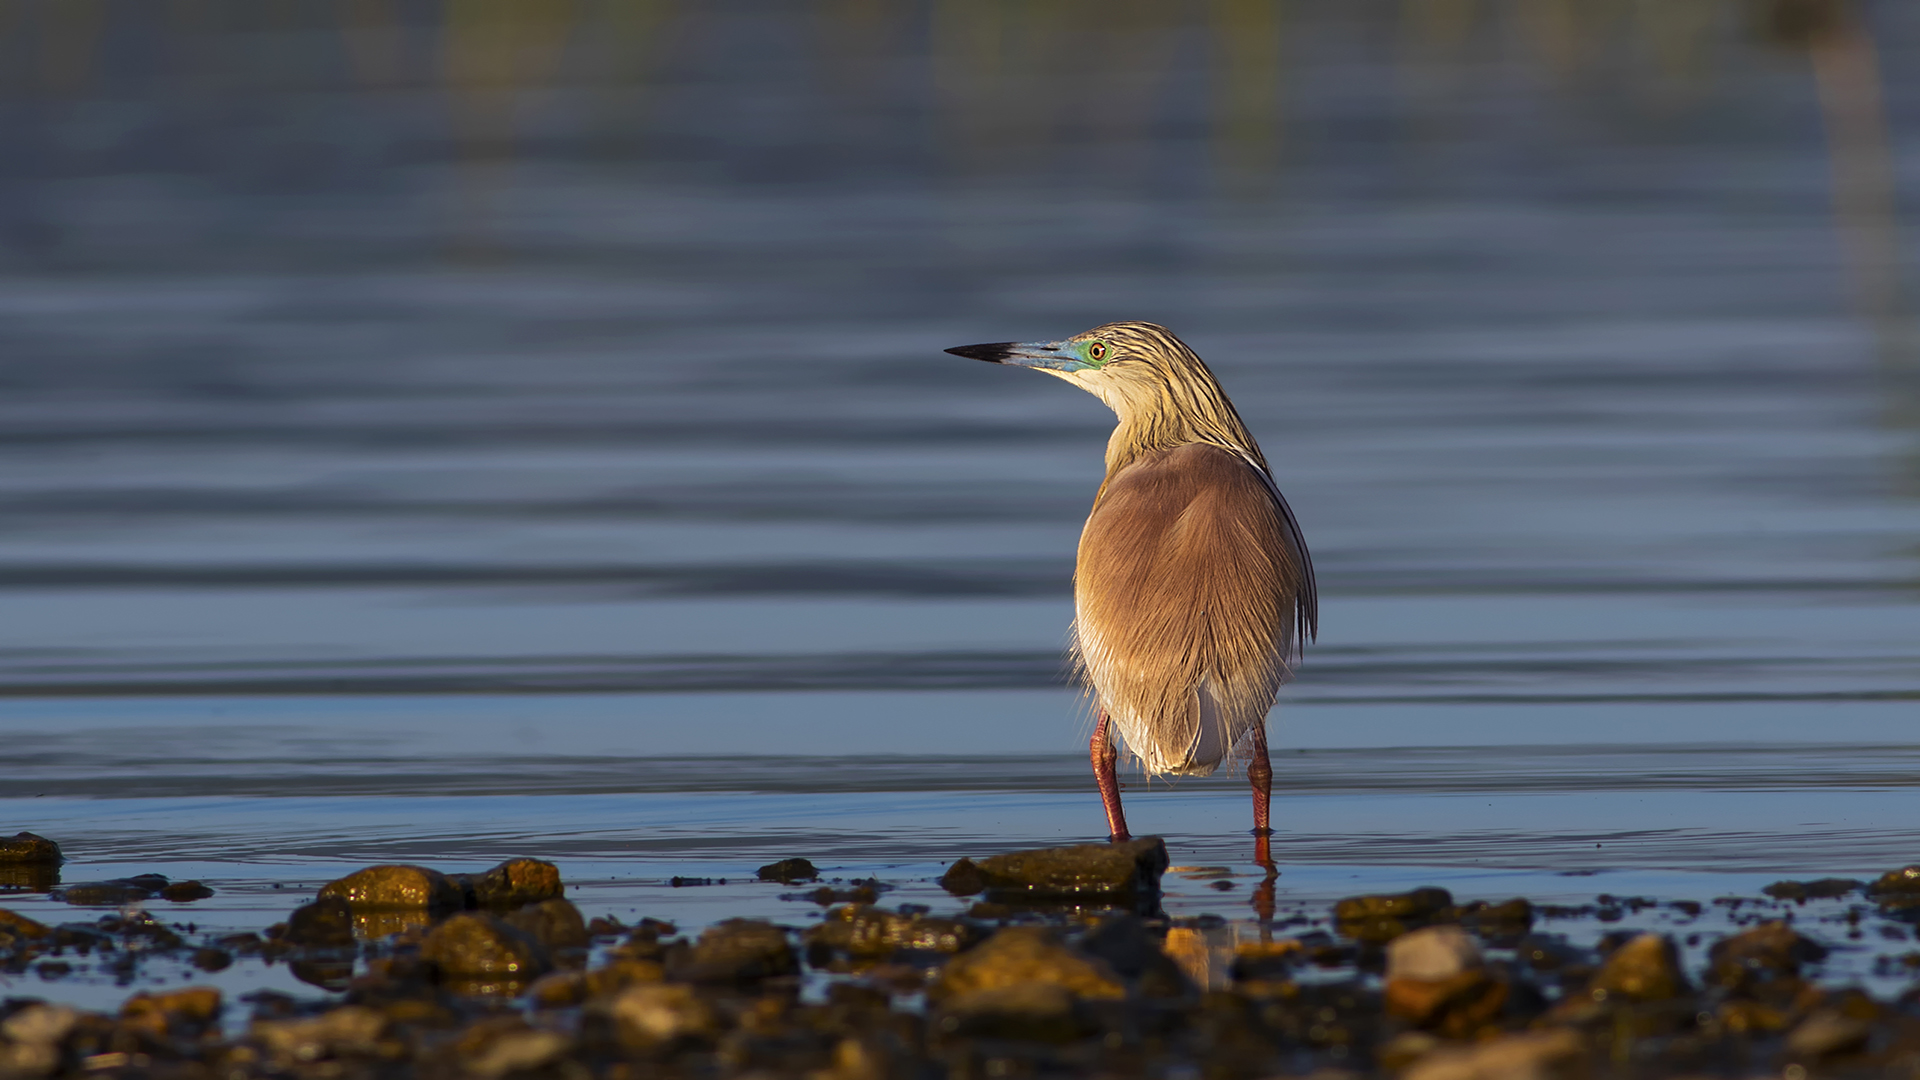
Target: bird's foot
(1119,837)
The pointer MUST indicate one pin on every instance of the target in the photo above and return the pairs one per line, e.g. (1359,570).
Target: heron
(1193,591)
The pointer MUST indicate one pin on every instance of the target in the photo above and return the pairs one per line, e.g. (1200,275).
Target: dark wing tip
(994,353)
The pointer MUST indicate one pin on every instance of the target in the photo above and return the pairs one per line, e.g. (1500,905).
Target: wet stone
(1084,871)
(736,951)
(174,1014)
(1645,968)
(20,926)
(1018,955)
(104,893)
(185,892)
(1125,944)
(1821,889)
(518,881)
(1825,1033)
(1032,1011)
(789,871)
(1382,917)
(29,849)
(864,930)
(210,959)
(1770,950)
(323,924)
(556,924)
(1537,1055)
(650,1015)
(1902,882)
(476,946)
(397,886)
(1503,923)
(1433,953)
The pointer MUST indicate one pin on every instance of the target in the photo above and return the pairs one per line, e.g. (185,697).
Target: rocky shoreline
(1055,962)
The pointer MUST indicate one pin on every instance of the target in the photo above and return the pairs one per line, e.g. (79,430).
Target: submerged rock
(349,1031)
(516,882)
(736,951)
(185,892)
(1381,917)
(1821,889)
(864,930)
(1081,872)
(114,893)
(29,849)
(1646,968)
(788,871)
(397,886)
(1019,955)
(323,924)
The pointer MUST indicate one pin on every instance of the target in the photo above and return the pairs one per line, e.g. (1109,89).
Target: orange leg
(1260,774)
(1100,750)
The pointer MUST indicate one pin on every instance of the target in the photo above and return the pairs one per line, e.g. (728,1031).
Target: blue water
(410,453)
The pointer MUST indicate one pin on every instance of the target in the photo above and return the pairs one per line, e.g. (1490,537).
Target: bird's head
(1132,366)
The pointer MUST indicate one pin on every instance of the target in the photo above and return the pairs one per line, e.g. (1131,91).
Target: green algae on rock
(397,886)
(1107,872)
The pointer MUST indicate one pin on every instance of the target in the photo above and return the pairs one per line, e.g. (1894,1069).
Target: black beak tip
(995,353)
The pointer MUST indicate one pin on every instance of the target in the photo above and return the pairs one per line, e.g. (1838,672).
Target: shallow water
(376,485)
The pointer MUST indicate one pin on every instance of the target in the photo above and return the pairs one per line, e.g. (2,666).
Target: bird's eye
(1097,352)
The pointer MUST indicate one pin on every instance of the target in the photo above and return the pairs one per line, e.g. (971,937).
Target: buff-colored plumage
(1193,588)
(1194,592)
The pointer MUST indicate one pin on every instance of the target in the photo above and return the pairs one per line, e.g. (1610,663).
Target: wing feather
(1191,593)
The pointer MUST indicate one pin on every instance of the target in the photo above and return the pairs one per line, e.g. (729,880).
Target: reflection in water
(1846,74)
